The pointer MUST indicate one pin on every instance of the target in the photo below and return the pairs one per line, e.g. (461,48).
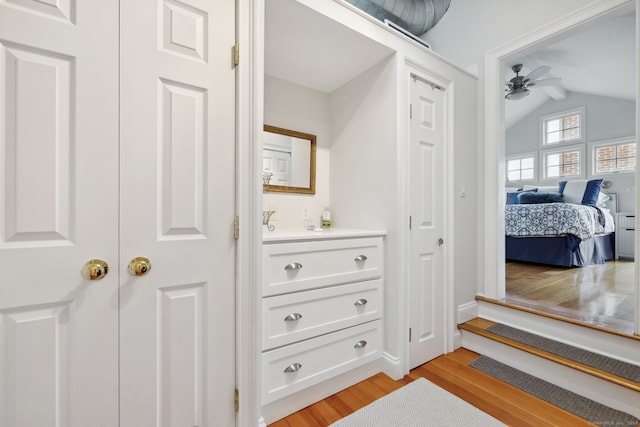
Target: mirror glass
(288,161)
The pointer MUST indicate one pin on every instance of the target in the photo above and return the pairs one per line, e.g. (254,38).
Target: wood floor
(451,372)
(600,295)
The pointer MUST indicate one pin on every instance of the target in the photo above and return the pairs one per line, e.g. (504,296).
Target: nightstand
(625,230)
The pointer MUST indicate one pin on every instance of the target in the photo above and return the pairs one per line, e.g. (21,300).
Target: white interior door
(177,209)
(277,163)
(427,210)
(58,210)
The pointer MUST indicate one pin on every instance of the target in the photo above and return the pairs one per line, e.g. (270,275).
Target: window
(521,168)
(565,163)
(563,127)
(614,157)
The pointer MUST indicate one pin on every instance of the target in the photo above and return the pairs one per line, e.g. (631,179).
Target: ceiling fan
(518,86)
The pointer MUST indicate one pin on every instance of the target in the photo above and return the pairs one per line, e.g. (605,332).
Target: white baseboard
(392,366)
(262,422)
(457,339)
(467,311)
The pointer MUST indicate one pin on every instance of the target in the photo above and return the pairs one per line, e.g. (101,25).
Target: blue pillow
(581,192)
(512,196)
(534,198)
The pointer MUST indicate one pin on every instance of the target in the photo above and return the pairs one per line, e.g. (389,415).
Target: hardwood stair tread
(479,326)
(556,317)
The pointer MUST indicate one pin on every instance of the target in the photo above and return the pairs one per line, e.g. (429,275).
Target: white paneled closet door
(427,186)
(111,152)
(177,209)
(58,210)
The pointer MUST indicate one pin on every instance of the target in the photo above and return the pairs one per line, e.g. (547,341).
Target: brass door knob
(139,266)
(95,269)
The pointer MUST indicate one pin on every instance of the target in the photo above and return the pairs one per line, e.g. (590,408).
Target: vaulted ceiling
(598,60)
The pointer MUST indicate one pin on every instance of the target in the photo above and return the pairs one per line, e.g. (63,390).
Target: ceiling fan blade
(537,73)
(545,82)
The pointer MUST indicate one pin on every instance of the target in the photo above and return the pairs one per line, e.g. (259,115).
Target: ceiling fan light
(517,94)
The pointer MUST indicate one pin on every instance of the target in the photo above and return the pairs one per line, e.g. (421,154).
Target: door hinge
(236,227)
(410,111)
(409,334)
(236,400)
(410,221)
(236,54)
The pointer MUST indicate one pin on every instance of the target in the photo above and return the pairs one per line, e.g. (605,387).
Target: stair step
(581,406)
(481,327)
(500,303)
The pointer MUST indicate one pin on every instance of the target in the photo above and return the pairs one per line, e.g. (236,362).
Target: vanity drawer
(289,369)
(294,317)
(298,266)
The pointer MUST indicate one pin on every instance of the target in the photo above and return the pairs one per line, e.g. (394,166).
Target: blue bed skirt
(564,251)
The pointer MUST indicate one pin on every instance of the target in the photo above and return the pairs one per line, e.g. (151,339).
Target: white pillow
(582,191)
(602,199)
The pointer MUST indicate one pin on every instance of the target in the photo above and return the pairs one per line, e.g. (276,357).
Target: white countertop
(330,233)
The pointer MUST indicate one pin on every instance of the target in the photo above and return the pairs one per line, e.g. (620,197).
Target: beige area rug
(418,404)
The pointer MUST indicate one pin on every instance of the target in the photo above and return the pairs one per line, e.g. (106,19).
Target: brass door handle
(139,266)
(95,269)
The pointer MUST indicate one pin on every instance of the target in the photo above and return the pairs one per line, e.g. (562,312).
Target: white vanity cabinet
(322,305)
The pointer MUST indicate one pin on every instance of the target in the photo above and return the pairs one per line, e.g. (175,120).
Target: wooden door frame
(494,140)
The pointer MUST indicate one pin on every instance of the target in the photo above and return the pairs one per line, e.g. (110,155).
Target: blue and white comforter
(553,219)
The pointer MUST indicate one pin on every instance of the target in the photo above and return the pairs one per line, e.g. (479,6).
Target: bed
(560,233)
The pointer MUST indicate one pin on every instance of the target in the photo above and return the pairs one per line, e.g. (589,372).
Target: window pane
(553,137)
(572,121)
(553,159)
(626,164)
(513,176)
(615,158)
(553,171)
(559,129)
(626,150)
(605,153)
(527,163)
(553,125)
(513,165)
(527,174)
(605,166)
(570,134)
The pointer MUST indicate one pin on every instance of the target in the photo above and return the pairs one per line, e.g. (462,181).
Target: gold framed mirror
(288,161)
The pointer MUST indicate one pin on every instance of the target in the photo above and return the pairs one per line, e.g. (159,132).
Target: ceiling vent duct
(415,16)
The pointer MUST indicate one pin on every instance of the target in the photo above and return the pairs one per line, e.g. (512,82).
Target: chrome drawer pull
(360,302)
(293,317)
(292,368)
(360,258)
(360,344)
(293,266)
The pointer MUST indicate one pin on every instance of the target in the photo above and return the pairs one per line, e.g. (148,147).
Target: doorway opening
(603,295)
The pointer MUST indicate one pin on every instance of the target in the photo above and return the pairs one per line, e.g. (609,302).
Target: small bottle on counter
(326,218)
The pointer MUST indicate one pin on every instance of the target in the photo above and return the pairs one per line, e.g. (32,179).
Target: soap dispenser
(326,218)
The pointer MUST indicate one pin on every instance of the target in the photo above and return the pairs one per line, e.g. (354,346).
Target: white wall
(606,119)
(364,172)
(298,108)
(472,27)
